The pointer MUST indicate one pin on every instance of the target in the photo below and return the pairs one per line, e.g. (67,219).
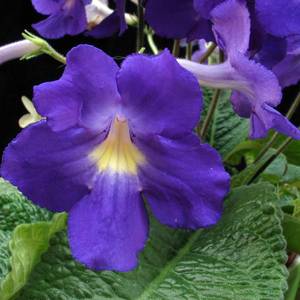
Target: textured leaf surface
(15,209)
(227,129)
(27,244)
(240,258)
(294,283)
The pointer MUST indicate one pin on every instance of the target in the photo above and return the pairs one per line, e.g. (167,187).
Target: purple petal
(158,95)
(184,181)
(288,69)
(51,169)
(201,30)
(265,118)
(204,7)
(86,94)
(47,7)
(70,21)
(272,52)
(113,23)
(107,27)
(232,26)
(120,9)
(263,84)
(171,18)
(280,17)
(109,227)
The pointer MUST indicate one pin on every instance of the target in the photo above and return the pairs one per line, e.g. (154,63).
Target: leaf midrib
(164,271)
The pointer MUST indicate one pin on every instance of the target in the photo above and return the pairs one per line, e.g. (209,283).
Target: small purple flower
(112,134)
(257,90)
(65,17)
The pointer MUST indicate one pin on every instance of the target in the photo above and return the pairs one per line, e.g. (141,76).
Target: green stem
(176,46)
(271,142)
(45,48)
(56,55)
(189,51)
(208,53)
(212,107)
(280,149)
(140,29)
(202,131)
(151,42)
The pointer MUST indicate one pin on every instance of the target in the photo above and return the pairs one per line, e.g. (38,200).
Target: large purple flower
(257,90)
(65,17)
(110,135)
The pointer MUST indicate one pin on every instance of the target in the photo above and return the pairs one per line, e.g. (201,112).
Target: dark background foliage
(18,78)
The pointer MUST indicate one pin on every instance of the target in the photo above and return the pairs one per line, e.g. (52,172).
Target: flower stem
(44,48)
(141,24)
(280,149)
(208,53)
(271,142)
(202,131)
(175,50)
(151,42)
(189,50)
(211,110)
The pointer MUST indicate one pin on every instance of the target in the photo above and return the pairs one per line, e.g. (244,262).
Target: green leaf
(296,211)
(227,129)
(15,209)
(4,253)
(242,257)
(292,150)
(291,230)
(294,283)
(272,173)
(28,243)
(234,157)
(276,170)
(292,176)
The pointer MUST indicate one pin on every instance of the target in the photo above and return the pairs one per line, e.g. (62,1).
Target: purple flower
(179,19)
(65,17)
(257,90)
(112,134)
(287,69)
(113,23)
(282,56)
(279,18)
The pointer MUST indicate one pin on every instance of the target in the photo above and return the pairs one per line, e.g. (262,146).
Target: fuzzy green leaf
(242,257)
(28,243)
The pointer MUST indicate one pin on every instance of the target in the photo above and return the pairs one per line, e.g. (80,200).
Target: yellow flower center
(117,153)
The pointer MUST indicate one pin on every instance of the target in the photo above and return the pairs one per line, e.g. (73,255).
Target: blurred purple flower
(76,16)
(179,19)
(65,17)
(111,134)
(114,22)
(257,90)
